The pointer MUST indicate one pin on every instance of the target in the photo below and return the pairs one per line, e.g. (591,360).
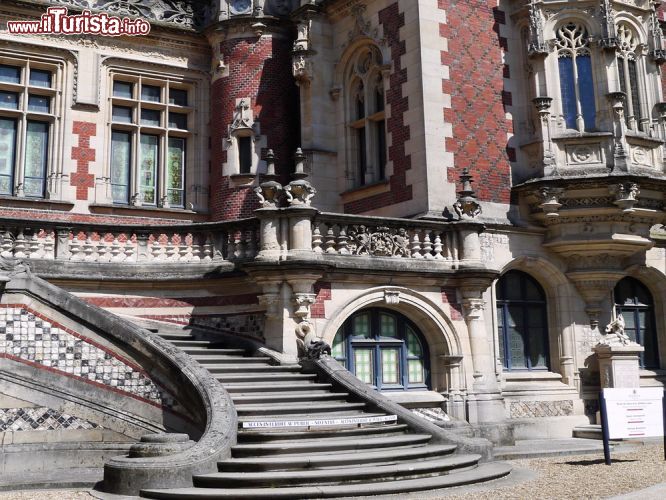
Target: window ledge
(143,211)
(358,193)
(530,376)
(242,179)
(644,138)
(36,203)
(580,135)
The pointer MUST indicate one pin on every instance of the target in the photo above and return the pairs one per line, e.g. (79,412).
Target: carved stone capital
(473,308)
(303,301)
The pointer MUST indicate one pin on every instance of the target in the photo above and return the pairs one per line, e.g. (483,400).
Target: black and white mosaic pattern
(26,336)
(40,419)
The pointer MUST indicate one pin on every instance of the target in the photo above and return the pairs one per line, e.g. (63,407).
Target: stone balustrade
(196,243)
(275,234)
(380,237)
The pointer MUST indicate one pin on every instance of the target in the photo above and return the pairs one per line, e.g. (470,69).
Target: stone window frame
(575,50)
(55,118)
(632,49)
(634,309)
(365,78)
(192,135)
(501,331)
(343,348)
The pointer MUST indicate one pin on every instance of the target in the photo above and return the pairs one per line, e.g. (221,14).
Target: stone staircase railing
(275,234)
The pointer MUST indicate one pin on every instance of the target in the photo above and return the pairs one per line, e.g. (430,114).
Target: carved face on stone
(279,7)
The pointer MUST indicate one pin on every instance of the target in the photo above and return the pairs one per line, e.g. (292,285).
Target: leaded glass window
(522,322)
(149,147)
(627,60)
(634,302)
(384,349)
(366,122)
(27,116)
(576,82)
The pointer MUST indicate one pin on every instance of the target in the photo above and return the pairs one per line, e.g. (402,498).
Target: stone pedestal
(618,364)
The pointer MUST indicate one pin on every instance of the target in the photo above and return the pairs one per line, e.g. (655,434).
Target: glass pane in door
(390,366)
(364,365)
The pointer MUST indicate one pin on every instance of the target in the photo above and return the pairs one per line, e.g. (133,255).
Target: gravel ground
(557,478)
(576,477)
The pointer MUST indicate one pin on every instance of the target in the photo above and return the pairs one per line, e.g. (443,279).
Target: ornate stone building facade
(456,196)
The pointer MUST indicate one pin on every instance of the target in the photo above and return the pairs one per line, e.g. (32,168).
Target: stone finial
(269,191)
(299,160)
(300,192)
(626,195)
(550,203)
(467,206)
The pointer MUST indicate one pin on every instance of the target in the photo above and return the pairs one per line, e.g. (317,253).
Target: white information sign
(634,413)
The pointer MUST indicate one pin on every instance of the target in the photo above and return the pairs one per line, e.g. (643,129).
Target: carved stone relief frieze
(583,154)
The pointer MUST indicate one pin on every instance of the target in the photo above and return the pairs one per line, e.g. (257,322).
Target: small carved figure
(615,332)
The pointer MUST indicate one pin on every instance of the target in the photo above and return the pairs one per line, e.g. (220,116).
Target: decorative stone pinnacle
(626,195)
(270,164)
(467,206)
(299,170)
(550,200)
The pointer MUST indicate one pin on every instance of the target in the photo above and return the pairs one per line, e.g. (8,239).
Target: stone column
(485,402)
(455,405)
(279,325)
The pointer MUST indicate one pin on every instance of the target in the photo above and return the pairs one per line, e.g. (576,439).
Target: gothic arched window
(383,348)
(627,65)
(366,117)
(522,322)
(576,83)
(634,302)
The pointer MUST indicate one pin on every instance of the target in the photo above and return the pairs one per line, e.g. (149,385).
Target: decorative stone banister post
(143,252)
(299,196)
(468,208)
(470,244)
(269,193)
(62,243)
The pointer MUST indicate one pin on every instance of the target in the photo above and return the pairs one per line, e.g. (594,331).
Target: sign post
(632,413)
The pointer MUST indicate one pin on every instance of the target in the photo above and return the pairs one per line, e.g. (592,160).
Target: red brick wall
(323,293)
(392,20)
(259,69)
(478,99)
(83,154)
(449,297)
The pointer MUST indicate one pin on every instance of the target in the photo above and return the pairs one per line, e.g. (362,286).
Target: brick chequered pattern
(392,20)
(536,409)
(40,419)
(323,293)
(478,99)
(261,70)
(30,337)
(449,297)
(83,154)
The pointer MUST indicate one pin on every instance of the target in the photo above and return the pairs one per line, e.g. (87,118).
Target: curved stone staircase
(299,438)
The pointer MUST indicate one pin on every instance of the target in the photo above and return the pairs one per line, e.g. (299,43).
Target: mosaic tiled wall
(40,419)
(29,337)
(536,409)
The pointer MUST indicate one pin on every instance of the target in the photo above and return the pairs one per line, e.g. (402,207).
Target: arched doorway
(385,349)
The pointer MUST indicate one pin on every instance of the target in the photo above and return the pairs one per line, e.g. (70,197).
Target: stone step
(299,407)
(171,337)
(208,358)
(253,368)
(273,387)
(484,472)
(264,377)
(317,446)
(248,436)
(353,418)
(287,397)
(390,472)
(382,456)
(210,349)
